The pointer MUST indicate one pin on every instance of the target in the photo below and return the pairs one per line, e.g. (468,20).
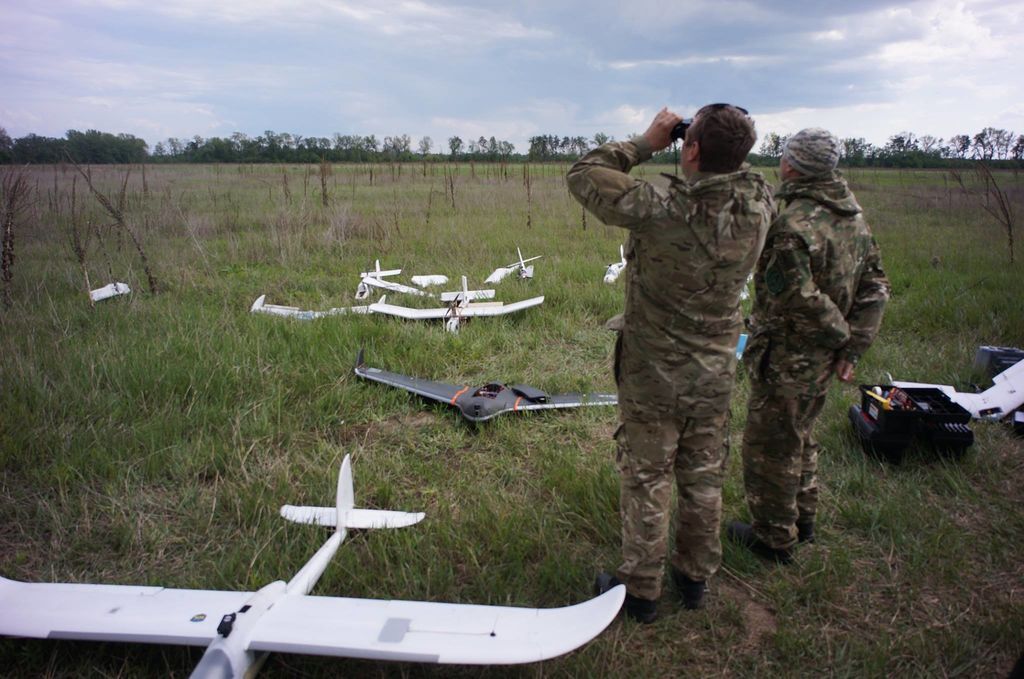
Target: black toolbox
(886,444)
(990,361)
(886,421)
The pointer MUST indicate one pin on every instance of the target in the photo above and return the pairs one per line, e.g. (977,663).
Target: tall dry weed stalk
(54,201)
(117,213)
(430,201)
(14,200)
(79,245)
(284,183)
(529,196)
(449,185)
(325,171)
(395,210)
(993,199)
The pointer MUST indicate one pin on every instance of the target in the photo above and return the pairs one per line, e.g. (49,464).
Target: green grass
(152,439)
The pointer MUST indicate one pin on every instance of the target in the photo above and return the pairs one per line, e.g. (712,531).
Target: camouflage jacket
(689,251)
(819,280)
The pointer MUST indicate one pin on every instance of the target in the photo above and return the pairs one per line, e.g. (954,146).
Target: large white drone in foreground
(239,629)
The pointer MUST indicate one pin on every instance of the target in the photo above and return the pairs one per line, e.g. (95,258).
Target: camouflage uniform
(820,292)
(689,252)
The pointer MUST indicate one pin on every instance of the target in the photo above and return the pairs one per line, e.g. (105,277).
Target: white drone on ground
(108,291)
(501,272)
(260,306)
(460,306)
(375,279)
(611,274)
(239,629)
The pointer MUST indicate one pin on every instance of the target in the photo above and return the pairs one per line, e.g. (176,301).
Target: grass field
(152,439)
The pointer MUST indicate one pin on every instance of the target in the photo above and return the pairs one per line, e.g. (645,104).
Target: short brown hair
(725,134)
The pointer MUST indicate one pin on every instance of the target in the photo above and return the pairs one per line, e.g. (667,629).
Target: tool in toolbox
(889,418)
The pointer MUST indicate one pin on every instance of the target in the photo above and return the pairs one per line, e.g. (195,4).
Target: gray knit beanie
(812,151)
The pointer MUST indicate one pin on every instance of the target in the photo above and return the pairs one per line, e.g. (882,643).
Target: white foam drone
(611,274)
(428,280)
(239,629)
(377,276)
(460,306)
(110,290)
(260,306)
(501,272)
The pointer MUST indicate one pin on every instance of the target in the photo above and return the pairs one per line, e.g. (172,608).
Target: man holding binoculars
(689,249)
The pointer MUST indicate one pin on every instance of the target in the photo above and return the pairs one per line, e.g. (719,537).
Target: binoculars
(679,130)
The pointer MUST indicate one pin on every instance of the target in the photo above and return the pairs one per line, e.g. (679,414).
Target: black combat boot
(743,534)
(805,530)
(643,611)
(690,591)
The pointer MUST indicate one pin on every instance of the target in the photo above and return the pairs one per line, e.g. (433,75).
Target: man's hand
(844,370)
(659,134)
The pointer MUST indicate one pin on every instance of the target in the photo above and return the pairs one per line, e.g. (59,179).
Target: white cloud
(950,36)
(411,19)
(832,35)
(101,76)
(514,123)
(657,16)
(737,60)
(872,121)
(144,117)
(624,116)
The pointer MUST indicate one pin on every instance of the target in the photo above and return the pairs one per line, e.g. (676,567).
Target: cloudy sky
(179,68)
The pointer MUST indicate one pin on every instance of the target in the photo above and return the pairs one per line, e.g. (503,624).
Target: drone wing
(375,282)
(260,306)
(155,615)
(568,401)
(437,391)
(499,274)
(420,631)
(498,308)
(382,307)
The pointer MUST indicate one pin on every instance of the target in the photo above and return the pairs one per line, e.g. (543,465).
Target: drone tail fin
(341,517)
(344,515)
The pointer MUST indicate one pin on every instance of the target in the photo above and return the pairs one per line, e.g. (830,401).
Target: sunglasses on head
(679,131)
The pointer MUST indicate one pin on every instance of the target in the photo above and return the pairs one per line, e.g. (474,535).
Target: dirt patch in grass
(365,432)
(758,620)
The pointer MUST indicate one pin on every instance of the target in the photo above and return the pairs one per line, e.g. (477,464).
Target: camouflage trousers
(693,451)
(780,454)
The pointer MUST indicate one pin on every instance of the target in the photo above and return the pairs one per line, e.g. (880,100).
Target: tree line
(908,150)
(997,146)
(87,147)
